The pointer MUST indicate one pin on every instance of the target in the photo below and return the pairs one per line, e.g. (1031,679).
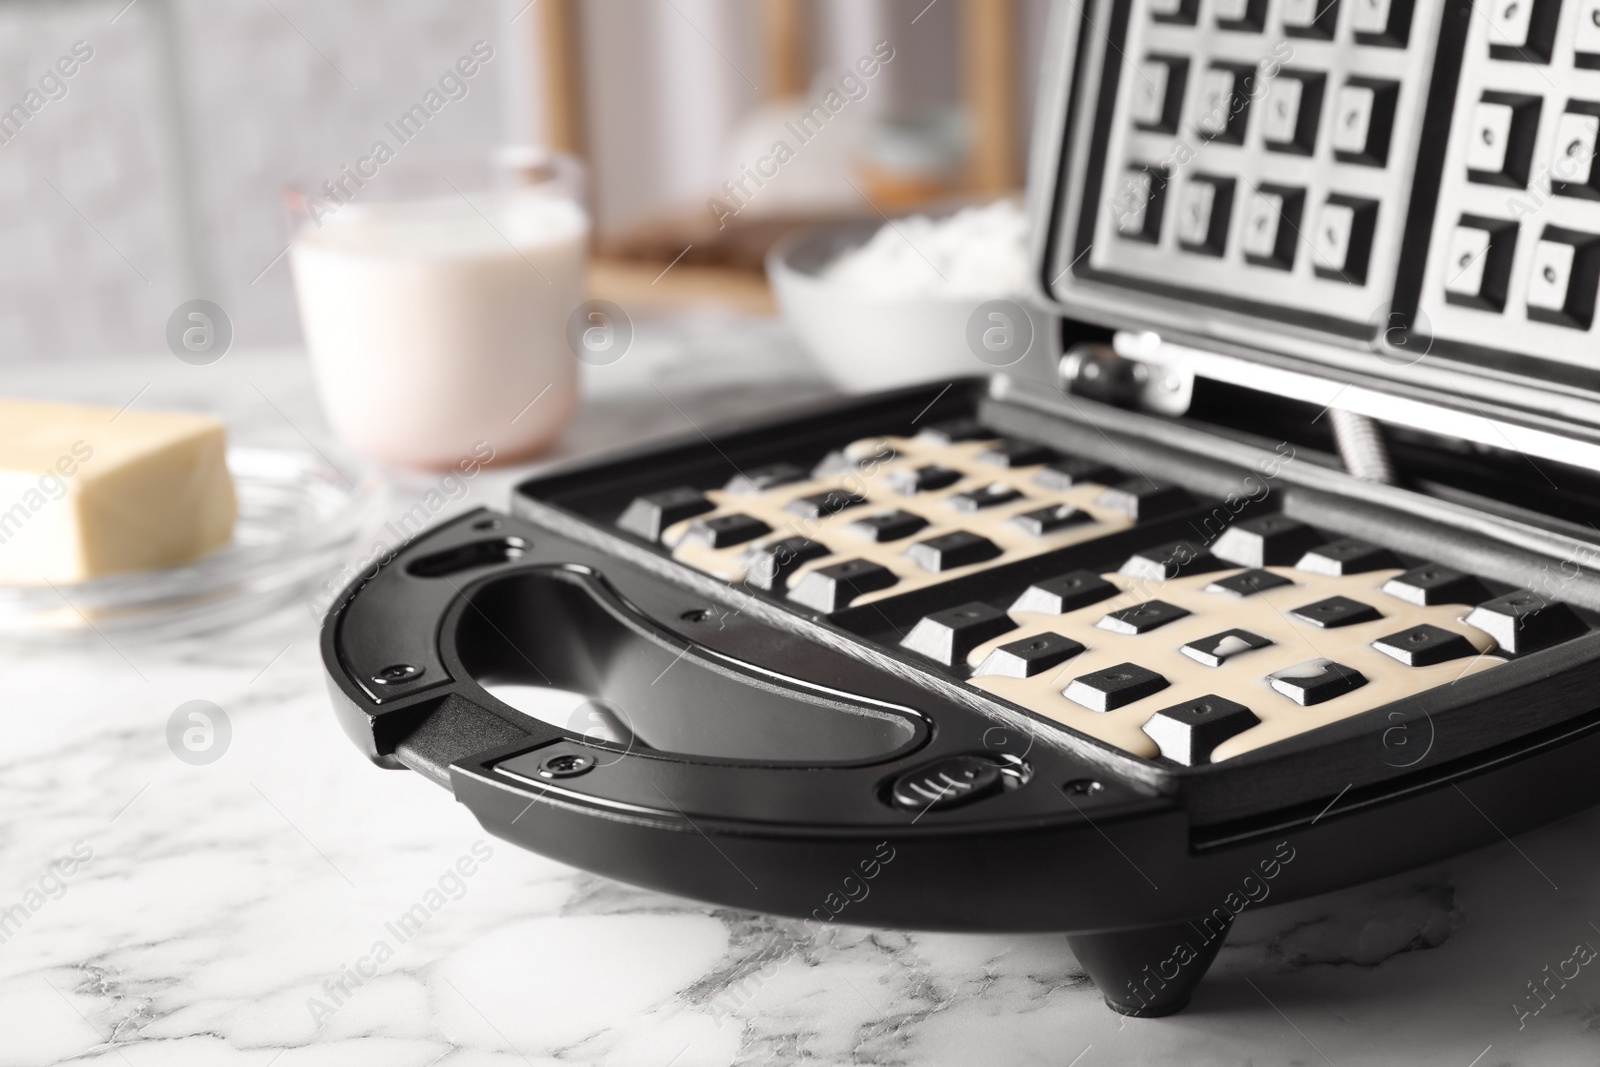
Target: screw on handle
(397,673)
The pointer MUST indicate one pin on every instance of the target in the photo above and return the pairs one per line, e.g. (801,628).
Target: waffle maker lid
(1195,187)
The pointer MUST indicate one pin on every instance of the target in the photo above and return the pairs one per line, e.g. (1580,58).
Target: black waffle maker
(938,658)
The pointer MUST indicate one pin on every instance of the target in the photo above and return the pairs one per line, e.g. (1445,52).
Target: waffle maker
(1285,585)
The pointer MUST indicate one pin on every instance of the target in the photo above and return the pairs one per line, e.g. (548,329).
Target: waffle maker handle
(770,813)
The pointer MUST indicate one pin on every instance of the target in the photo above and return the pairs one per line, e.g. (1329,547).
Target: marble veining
(233,913)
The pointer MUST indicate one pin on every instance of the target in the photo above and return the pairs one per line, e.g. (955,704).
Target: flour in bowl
(979,251)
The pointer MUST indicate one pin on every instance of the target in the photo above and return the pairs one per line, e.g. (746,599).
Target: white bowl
(866,342)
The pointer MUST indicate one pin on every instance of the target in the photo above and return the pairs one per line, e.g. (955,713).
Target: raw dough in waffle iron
(883,455)
(1241,678)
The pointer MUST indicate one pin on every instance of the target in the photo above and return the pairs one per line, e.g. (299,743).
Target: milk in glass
(437,328)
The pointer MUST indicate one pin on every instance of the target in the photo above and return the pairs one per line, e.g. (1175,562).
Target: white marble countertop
(210,911)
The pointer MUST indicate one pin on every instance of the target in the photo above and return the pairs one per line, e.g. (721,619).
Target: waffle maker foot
(1151,971)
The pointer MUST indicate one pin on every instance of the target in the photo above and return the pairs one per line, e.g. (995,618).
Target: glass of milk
(437,327)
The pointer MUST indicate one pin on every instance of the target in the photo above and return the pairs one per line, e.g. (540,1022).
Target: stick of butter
(87,491)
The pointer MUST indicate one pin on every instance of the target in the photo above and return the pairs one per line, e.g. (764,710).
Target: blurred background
(153,174)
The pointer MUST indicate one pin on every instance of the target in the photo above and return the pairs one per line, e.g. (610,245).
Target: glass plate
(299,520)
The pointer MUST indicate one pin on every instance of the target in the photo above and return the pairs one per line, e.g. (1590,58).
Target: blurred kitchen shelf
(637,284)
(741,242)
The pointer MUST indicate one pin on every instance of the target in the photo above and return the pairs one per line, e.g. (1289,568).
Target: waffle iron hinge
(1098,370)
(1131,372)
(1145,371)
